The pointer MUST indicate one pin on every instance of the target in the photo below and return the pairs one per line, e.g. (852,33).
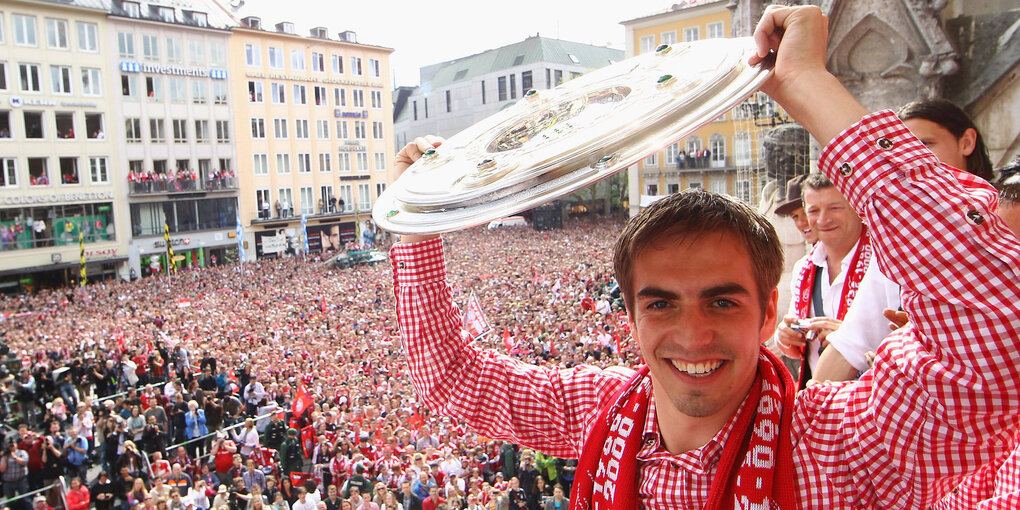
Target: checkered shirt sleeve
(498,396)
(941,400)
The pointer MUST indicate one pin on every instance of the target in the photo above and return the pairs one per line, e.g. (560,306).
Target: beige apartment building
(57,156)
(314,135)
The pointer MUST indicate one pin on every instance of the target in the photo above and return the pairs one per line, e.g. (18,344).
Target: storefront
(200,249)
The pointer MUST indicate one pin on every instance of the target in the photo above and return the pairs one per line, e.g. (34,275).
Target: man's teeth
(697,368)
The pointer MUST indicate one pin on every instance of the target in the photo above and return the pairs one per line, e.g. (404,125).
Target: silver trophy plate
(554,142)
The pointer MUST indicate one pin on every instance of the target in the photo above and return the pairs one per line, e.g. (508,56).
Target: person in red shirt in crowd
(223,457)
(433,501)
(77,496)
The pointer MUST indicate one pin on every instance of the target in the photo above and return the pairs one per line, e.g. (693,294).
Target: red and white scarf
(805,279)
(756,466)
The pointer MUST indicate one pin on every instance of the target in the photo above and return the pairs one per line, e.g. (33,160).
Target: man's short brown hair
(692,213)
(816,181)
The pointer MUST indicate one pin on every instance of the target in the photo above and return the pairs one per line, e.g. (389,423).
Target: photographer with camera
(14,470)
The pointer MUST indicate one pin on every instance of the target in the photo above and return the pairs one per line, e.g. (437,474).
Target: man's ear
(968,141)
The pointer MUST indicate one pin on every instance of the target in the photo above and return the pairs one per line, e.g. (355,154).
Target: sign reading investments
(128,66)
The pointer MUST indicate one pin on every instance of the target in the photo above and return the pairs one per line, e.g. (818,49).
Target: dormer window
(132,9)
(164,13)
(285,27)
(252,22)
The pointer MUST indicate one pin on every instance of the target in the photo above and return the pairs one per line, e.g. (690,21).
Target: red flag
(506,338)
(302,402)
(552,347)
(308,440)
(474,319)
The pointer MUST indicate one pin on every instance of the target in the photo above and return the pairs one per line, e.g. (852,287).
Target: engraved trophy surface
(554,142)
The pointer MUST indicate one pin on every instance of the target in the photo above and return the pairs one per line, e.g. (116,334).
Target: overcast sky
(423,33)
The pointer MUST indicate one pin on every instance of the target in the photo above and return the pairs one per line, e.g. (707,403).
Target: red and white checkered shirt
(940,402)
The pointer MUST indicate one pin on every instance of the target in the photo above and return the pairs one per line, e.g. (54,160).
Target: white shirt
(307,505)
(864,327)
(831,292)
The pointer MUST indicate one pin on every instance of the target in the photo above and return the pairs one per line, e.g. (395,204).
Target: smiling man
(709,420)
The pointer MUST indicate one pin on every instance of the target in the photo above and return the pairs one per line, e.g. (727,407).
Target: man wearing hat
(793,208)
(290,453)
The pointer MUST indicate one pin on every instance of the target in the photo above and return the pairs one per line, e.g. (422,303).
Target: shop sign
(101,253)
(147,68)
(174,242)
(350,115)
(58,197)
(313,79)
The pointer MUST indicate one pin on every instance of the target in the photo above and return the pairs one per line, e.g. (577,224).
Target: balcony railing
(150,187)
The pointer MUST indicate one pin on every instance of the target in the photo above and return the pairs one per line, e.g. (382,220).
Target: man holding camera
(14,470)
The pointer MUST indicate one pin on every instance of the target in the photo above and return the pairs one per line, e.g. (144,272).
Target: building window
(324,162)
(8,172)
(260,164)
(277,91)
(362,158)
(343,162)
(91,84)
(56,33)
(338,64)
(527,82)
(339,97)
(304,161)
(321,99)
(742,149)
(286,200)
(356,66)
(318,62)
(297,60)
(3,71)
(358,98)
(5,124)
(668,37)
(133,130)
(377,130)
(99,172)
(275,57)
(299,95)
(449,105)
(129,86)
(223,131)
(196,53)
(376,99)
(126,44)
(364,197)
(65,125)
(322,129)
(715,30)
(280,128)
(672,153)
(360,130)
(380,187)
(258,127)
(217,54)
(38,172)
(60,77)
(693,146)
(30,77)
(341,129)
(88,36)
(414,105)
(157,133)
(717,184)
(283,163)
(154,88)
(651,159)
(307,200)
(301,129)
(150,48)
(380,161)
(174,53)
(219,92)
(513,86)
(176,90)
(252,55)
(647,43)
(691,34)
(717,144)
(69,171)
(24,30)
(94,126)
(483,91)
(375,68)
(672,188)
(652,189)
(198,91)
(202,131)
(255,91)
(33,124)
(501,88)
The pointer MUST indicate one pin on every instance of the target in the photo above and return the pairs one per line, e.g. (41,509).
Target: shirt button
(400,264)
(975,217)
(845,169)
(885,143)
(649,442)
